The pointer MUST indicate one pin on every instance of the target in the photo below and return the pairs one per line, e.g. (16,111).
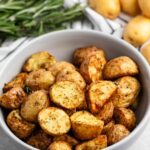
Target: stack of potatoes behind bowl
(60,106)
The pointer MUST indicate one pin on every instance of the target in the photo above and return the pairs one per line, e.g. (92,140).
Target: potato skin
(85,126)
(127,91)
(99,93)
(33,105)
(39,60)
(108,126)
(120,66)
(125,117)
(13,98)
(18,125)
(39,80)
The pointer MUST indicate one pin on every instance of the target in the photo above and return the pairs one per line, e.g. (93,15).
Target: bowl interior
(62,44)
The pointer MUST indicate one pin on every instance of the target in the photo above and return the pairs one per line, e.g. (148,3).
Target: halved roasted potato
(39,60)
(97,143)
(34,103)
(120,66)
(127,91)
(54,121)
(39,79)
(18,125)
(108,126)
(67,94)
(125,117)
(98,94)
(85,126)
(13,98)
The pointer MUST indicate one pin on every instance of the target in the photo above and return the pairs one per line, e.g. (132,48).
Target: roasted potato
(97,143)
(117,133)
(71,75)
(85,126)
(128,89)
(54,121)
(39,140)
(120,66)
(67,94)
(106,113)
(34,104)
(13,98)
(59,145)
(107,8)
(18,125)
(39,60)
(99,93)
(137,32)
(108,126)
(125,117)
(39,79)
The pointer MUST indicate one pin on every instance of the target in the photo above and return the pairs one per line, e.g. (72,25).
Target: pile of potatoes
(55,105)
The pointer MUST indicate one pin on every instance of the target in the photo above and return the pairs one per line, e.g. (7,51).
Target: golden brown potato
(59,66)
(108,126)
(18,81)
(107,8)
(34,104)
(39,79)
(120,66)
(85,126)
(99,93)
(71,75)
(98,143)
(54,121)
(59,145)
(39,140)
(130,7)
(127,91)
(67,94)
(106,113)
(117,133)
(39,60)
(18,125)
(137,32)
(125,117)
(13,98)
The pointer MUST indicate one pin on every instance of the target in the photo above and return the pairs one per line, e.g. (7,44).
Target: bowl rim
(72,31)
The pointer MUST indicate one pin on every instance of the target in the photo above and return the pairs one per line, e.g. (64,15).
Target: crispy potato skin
(39,79)
(99,93)
(39,60)
(117,133)
(120,66)
(54,121)
(34,104)
(108,126)
(13,98)
(18,125)
(97,143)
(85,126)
(128,89)
(39,140)
(125,117)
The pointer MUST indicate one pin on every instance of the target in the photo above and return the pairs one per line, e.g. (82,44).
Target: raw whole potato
(67,94)
(120,66)
(85,126)
(13,98)
(39,79)
(18,125)
(33,105)
(108,126)
(99,93)
(127,91)
(137,32)
(97,143)
(107,8)
(125,117)
(54,121)
(39,60)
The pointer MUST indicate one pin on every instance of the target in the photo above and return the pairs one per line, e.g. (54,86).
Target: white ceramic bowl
(62,44)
